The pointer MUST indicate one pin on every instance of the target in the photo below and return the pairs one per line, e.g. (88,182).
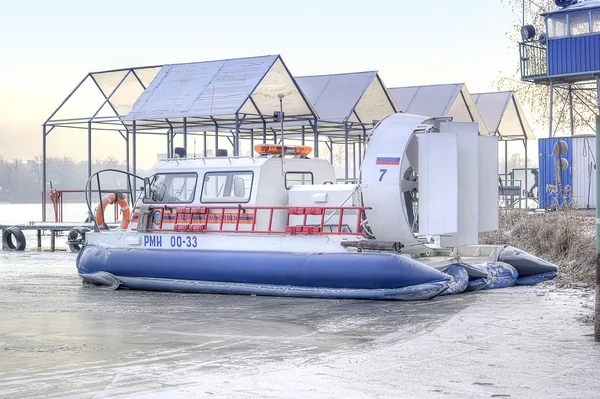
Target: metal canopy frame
(504,118)
(120,91)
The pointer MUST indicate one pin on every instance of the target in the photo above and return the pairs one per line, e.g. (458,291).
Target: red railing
(196,219)
(67,205)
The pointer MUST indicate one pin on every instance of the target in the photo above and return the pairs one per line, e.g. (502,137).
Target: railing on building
(533,60)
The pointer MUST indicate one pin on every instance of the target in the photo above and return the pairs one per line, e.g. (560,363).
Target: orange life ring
(111,199)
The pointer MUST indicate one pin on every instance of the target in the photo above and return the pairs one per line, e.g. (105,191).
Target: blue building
(568,50)
(566,57)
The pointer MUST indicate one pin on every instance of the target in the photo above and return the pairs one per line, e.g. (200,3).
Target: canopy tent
(447,100)
(359,99)
(503,115)
(348,105)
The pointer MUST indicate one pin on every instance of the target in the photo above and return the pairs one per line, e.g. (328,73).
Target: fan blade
(407,185)
(412,154)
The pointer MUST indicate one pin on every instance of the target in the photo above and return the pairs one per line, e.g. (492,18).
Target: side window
(596,21)
(557,26)
(580,23)
(173,187)
(295,178)
(227,187)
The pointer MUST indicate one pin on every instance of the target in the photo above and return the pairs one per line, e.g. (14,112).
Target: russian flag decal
(387,161)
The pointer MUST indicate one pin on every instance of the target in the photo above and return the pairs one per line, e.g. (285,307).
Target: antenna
(212,100)
(280,95)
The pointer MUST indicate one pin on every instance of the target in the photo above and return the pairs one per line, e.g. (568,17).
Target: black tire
(19,242)
(76,238)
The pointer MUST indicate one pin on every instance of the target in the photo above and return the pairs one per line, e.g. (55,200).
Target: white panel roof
(503,115)
(426,100)
(336,97)
(451,100)
(212,88)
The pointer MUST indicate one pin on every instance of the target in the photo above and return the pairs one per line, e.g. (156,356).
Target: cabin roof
(581,6)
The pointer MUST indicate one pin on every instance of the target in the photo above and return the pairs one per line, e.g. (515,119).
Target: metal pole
(330,151)
(526,173)
(134,158)
(205,151)
(359,152)
(346,155)
(236,141)
(185,135)
(44,160)
(216,138)
(505,162)
(127,150)
(251,142)
(597,309)
(316,138)
(571,110)
(354,160)
(89,161)
(169,143)
(550,111)
(264,132)
(303,135)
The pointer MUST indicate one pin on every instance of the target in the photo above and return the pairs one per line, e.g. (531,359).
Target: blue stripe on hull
(271,273)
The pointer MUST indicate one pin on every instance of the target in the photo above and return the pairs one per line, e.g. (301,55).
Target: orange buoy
(111,199)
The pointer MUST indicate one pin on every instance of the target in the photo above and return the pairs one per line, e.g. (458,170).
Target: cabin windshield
(227,187)
(557,26)
(173,187)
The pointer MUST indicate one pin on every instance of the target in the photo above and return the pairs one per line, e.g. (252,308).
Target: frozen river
(59,339)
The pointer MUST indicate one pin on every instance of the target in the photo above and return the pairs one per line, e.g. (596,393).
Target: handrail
(195,219)
(88,190)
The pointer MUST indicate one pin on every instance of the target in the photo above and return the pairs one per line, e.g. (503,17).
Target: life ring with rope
(111,199)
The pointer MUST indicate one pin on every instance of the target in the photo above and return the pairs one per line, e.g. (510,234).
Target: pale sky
(47,47)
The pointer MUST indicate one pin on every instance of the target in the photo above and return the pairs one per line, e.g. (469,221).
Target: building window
(298,178)
(557,26)
(173,188)
(596,21)
(227,187)
(580,23)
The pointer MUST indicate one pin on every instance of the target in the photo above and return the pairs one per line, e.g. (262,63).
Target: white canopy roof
(448,100)
(359,97)
(220,88)
(503,115)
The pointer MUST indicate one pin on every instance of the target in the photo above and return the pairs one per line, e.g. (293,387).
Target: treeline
(21,181)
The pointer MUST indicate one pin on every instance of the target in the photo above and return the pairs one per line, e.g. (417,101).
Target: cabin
(247,194)
(569,47)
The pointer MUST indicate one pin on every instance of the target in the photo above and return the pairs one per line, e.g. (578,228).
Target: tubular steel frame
(241,126)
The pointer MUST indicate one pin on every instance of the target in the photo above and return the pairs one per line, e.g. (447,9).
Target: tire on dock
(76,238)
(13,239)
